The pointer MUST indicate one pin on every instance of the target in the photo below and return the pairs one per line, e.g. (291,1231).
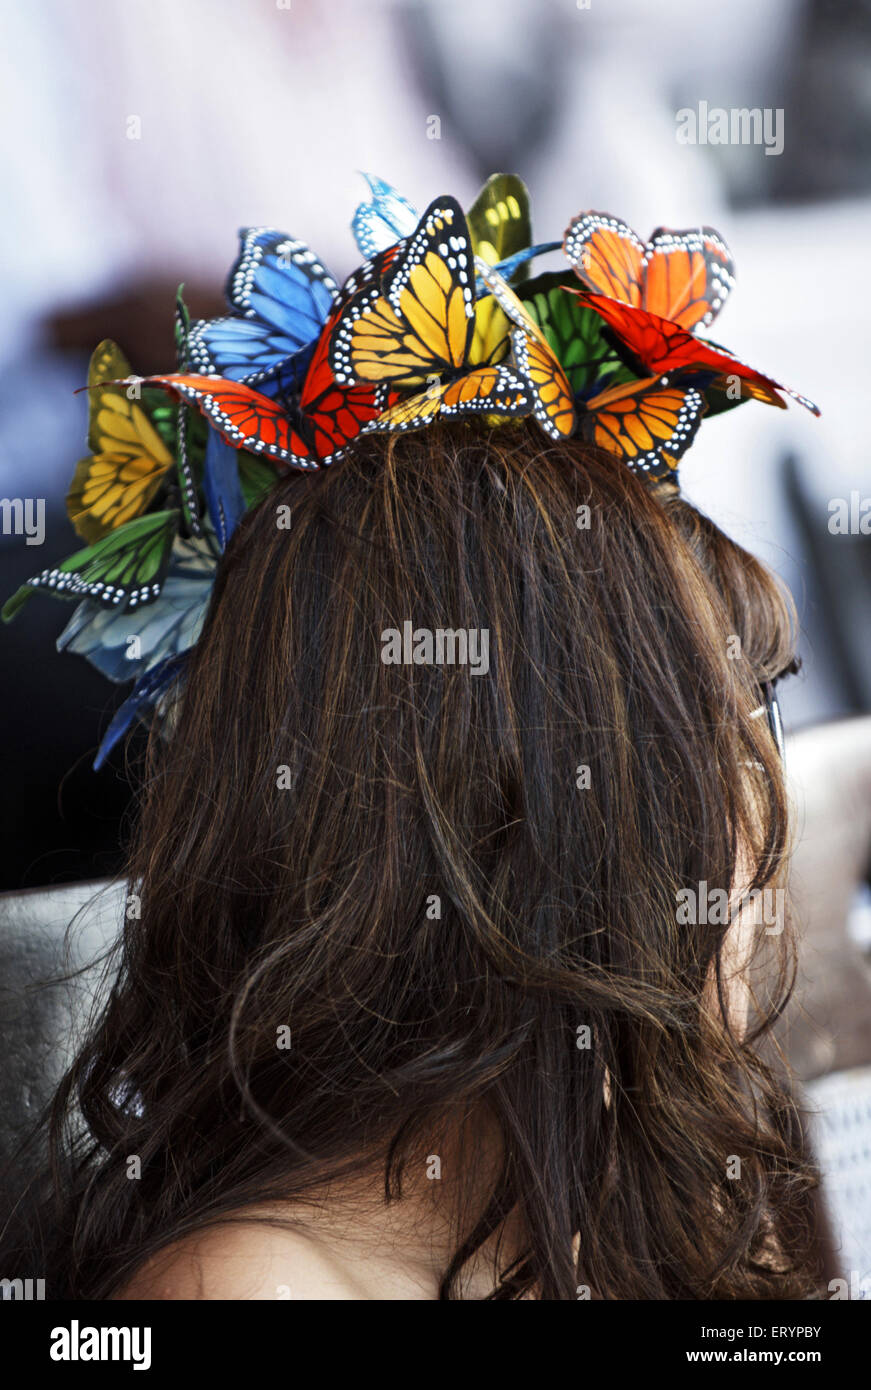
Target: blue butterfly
(148,690)
(221,485)
(280,295)
(175,620)
(151,644)
(384,220)
(124,645)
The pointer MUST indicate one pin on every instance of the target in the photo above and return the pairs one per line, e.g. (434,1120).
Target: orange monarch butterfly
(486,390)
(662,346)
(649,423)
(553,402)
(682,276)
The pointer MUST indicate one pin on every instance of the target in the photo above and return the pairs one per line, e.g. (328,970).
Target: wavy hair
(446,883)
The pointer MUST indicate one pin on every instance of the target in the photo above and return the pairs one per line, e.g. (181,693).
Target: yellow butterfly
(491,340)
(128,459)
(417,326)
(418,322)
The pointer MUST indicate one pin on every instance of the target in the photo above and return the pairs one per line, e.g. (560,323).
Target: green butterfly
(123,570)
(501,229)
(575,333)
(499,220)
(256,477)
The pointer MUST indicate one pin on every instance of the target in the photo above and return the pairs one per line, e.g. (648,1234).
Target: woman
(412,999)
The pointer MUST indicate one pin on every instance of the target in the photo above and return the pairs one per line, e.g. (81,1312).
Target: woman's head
(378,889)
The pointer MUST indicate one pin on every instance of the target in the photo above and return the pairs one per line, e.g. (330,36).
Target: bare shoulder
(243,1260)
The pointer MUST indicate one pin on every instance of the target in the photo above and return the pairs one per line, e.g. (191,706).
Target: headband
(441,320)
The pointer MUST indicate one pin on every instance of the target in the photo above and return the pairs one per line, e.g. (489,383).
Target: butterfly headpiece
(441,320)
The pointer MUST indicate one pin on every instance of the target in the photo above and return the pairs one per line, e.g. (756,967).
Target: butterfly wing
(385,219)
(661,346)
(185,445)
(149,689)
(240,349)
(281,294)
(576,335)
(606,255)
(553,404)
(687,276)
(420,321)
(246,418)
(431,285)
(649,424)
(222,487)
(485,390)
(129,458)
(281,282)
(370,273)
(499,220)
(124,570)
(501,228)
(169,625)
(725,392)
(683,276)
(333,415)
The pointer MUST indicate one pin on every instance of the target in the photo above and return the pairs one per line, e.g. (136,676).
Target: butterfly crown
(442,319)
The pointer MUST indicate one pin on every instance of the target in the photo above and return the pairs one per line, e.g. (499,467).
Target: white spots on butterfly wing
(583,228)
(341,362)
(452,248)
(663,460)
(257,244)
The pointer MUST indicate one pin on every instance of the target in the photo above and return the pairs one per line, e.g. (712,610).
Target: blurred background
(137,138)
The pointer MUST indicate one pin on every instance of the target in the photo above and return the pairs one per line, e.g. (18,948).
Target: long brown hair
(457,888)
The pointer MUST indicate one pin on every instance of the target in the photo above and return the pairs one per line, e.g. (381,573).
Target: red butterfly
(328,417)
(682,276)
(661,346)
(333,415)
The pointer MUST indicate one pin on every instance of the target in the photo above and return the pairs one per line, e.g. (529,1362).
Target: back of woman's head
(471,715)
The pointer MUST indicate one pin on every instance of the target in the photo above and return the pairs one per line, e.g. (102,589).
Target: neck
(409,1240)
